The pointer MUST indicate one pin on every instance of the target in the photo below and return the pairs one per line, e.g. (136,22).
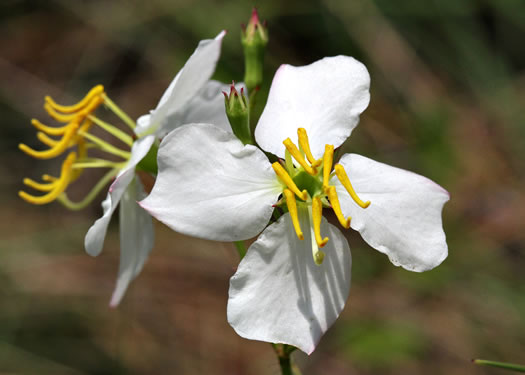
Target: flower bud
(254,38)
(238,114)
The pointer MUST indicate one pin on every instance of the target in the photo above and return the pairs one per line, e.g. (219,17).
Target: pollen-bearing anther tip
(304,194)
(300,236)
(366,204)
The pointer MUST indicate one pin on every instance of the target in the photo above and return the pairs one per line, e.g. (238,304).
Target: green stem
(504,365)
(241,248)
(284,352)
(251,110)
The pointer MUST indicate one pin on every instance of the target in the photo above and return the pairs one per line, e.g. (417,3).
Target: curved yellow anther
(294,151)
(305,146)
(76,116)
(343,178)
(56,150)
(292,208)
(39,186)
(48,129)
(42,137)
(287,180)
(48,178)
(317,214)
(97,90)
(59,186)
(328,159)
(334,201)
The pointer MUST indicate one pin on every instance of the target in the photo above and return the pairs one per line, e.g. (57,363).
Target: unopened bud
(238,114)
(254,38)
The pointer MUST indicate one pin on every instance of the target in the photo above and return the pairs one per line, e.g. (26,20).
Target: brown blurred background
(447,102)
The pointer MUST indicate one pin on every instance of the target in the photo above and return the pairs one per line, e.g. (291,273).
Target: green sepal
(238,114)
(149,162)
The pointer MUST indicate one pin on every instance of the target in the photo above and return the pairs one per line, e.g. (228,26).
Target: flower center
(75,136)
(310,182)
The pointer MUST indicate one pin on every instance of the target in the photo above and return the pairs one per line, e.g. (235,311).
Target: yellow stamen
(328,159)
(334,201)
(48,129)
(59,186)
(292,148)
(343,178)
(305,146)
(39,186)
(79,116)
(82,154)
(287,180)
(317,214)
(56,150)
(292,208)
(97,90)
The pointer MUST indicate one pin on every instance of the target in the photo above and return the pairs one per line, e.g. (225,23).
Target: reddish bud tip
(255,16)
(225,95)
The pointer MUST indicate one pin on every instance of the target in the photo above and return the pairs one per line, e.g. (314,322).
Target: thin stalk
(503,365)
(75,206)
(117,133)
(119,112)
(105,146)
(284,352)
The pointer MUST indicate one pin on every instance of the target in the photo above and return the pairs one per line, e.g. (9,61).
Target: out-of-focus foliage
(447,92)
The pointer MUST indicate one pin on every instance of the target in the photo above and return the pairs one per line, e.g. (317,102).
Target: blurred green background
(447,101)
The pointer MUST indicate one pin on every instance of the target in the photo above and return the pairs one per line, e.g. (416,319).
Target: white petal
(97,233)
(188,82)
(205,107)
(94,239)
(326,98)
(279,294)
(404,217)
(136,239)
(212,186)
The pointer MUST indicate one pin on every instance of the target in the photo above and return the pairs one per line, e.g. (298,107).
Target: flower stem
(504,365)
(284,352)
(241,248)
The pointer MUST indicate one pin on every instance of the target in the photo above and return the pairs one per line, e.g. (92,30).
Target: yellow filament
(317,214)
(56,150)
(287,180)
(305,145)
(328,159)
(294,151)
(97,90)
(89,108)
(292,208)
(343,178)
(39,186)
(334,201)
(59,186)
(48,129)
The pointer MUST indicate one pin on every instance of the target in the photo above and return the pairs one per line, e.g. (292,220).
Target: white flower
(190,97)
(286,290)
